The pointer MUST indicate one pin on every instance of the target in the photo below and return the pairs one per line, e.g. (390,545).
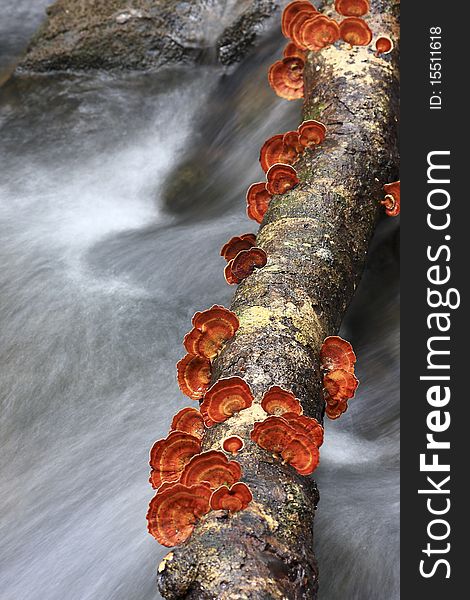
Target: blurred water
(115,197)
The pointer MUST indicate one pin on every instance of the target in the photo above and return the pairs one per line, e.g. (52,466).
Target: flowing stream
(116,193)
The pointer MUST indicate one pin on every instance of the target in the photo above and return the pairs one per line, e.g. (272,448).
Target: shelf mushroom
(174,511)
(189,420)
(281,178)
(319,32)
(391,202)
(234,498)
(233,444)
(337,353)
(355,31)
(352,8)
(212,328)
(194,375)
(213,468)
(286,78)
(236,244)
(277,401)
(244,264)
(257,201)
(227,397)
(311,133)
(340,384)
(169,456)
(383,45)
(291,11)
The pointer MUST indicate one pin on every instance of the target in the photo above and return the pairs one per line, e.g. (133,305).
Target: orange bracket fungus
(337,353)
(340,384)
(277,401)
(297,25)
(232,499)
(273,151)
(319,32)
(194,375)
(236,244)
(290,442)
(286,77)
(273,434)
(292,143)
(257,201)
(290,11)
(352,8)
(292,50)
(233,444)
(281,178)
(309,425)
(391,202)
(225,398)
(213,468)
(335,408)
(169,456)
(189,420)
(174,511)
(302,454)
(311,133)
(212,328)
(243,265)
(383,45)
(355,31)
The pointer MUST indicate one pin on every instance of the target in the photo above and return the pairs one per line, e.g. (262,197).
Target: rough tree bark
(316,238)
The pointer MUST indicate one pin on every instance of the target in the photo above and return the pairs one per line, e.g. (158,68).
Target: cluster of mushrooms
(190,482)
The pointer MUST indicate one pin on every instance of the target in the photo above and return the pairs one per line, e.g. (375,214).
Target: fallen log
(316,237)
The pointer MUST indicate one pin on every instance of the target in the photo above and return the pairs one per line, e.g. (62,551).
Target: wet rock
(84,35)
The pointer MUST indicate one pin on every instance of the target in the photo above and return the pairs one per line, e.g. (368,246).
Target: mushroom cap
(392,199)
(292,143)
(352,8)
(296,26)
(289,13)
(302,454)
(169,456)
(307,425)
(273,434)
(281,178)
(225,398)
(212,328)
(236,244)
(275,151)
(246,261)
(233,444)
(257,201)
(286,78)
(383,45)
(311,133)
(340,384)
(277,401)
(319,32)
(228,274)
(335,408)
(337,353)
(291,49)
(173,512)
(213,468)
(194,375)
(355,31)
(189,420)
(233,499)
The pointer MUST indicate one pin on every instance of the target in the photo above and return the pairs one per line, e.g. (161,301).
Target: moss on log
(316,238)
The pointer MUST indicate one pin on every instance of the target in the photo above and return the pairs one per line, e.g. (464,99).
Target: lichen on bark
(316,237)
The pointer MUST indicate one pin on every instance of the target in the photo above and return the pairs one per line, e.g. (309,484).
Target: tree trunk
(316,238)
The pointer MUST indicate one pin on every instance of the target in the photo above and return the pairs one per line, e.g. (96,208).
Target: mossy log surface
(316,238)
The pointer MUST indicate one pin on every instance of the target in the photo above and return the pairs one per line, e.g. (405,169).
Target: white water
(101,269)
